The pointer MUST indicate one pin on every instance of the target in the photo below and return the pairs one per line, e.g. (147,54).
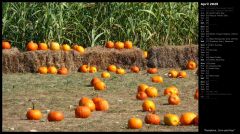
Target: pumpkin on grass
(142,87)
(34,114)
(157,79)
(191,65)
(171,119)
(43,70)
(173,74)
(52,70)
(84,68)
(84,101)
(112,68)
(100,86)
(120,71)
(151,92)
(171,90)
(55,116)
(105,75)
(6,45)
(82,112)
(152,118)
(94,80)
(63,71)
(174,99)
(135,69)
(102,105)
(149,106)
(187,118)
(152,70)
(92,69)
(182,74)
(134,123)
(141,95)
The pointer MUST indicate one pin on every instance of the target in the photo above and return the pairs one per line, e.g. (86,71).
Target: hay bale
(30,61)
(172,56)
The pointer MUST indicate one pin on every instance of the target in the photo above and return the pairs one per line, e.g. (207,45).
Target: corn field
(91,24)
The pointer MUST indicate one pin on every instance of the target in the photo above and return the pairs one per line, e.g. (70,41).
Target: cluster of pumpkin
(52,70)
(187,118)
(83,110)
(144,91)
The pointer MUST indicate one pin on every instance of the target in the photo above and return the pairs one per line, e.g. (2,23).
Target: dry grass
(55,92)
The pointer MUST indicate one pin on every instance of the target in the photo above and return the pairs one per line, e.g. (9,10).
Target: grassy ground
(55,92)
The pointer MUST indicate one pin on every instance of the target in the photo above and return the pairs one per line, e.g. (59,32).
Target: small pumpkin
(119,45)
(34,114)
(152,70)
(100,86)
(66,47)
(63,71)
(80,49)
(196,95)
(43,70)
(92,69)
(152,118)
(102,105)
(171,119)
(148,105)
(191,65)
(151,92)
(141,95)
(182,74)
(55,116)
(84,68)
(187,118)
(120,71)
(97,99)
(171,90)
(109,44)
(157,79)
(112,68)
(31,46)
(6,45)
(134,123)
(128,44)
(94,80)
(84,101)
(82,112)
(42,46)
(105,75)
(174,99)
(142,87)
(145,54)
(173,74)
(52,70)
(135,69)
(54,46)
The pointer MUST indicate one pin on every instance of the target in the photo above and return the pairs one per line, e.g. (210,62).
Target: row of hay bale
(14,61)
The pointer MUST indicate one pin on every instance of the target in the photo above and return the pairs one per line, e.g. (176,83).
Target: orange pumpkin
(148,105)
(191,65)
(196,121)
(141,96)
(196,95)
(145,54)
(31,46)
(120,71)
(96,100)
(105,75)
(84,68)
(187,118)
(174,99)
(102,105)
(55,116)
(84,101)
(135,69)
(112,68)
(63,71)
(151,92)
(157,79)
(75,46)
(173,74)
(82,112)
(142,87)
(80,49)
(119,45)
(171,90)
(66,47)
(95,80)
(152,70)
(182,74)
(100,86)
(92,69)
(43,70)
(6,45)
(128,44)
(134,123)
(151,118)
(54,46)
(109,44)
(171,119)
(42,46)
(52,70)
(34,114)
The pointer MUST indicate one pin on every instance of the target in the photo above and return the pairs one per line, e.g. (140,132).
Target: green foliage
(90,24)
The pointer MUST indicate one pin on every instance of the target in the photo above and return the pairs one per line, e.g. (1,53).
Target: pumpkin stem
(33,106)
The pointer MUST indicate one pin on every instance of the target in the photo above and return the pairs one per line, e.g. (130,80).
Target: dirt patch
(101,57)
(172,56)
